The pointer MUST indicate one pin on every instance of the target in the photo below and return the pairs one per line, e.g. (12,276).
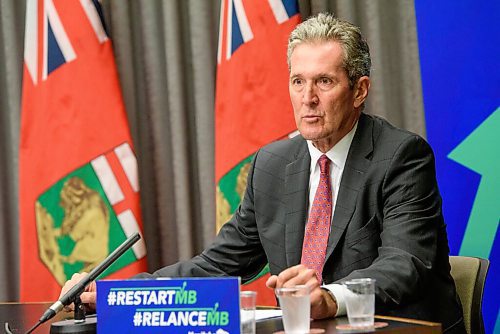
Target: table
(395,325)
(22,316)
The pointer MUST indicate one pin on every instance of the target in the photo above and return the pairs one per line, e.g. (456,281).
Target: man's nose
(310,97)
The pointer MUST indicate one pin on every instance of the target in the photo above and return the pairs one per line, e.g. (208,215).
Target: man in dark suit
(383,217)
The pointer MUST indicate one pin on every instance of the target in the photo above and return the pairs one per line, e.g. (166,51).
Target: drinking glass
(247,311)
(360,302)
(295,302)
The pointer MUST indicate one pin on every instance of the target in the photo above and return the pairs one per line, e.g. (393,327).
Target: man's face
(325,108)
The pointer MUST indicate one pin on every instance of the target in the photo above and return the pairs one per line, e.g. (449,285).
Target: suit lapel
(353,178)
(296,198)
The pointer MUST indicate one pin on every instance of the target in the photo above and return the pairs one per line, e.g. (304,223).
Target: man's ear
(361,91)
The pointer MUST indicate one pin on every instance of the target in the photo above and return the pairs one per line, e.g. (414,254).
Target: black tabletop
(22,316)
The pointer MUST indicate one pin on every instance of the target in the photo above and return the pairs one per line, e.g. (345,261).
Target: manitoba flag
(252,104)
(79,190)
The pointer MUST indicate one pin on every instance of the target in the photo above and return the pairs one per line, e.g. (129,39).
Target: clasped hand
(88,297)
(322,304)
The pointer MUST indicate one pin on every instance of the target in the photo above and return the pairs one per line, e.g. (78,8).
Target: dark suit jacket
(387,223)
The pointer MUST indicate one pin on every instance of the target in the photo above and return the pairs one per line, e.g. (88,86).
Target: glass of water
(360,302)
(295,302)
(247,311)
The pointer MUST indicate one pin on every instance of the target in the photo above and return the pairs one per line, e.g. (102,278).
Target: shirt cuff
(339,291)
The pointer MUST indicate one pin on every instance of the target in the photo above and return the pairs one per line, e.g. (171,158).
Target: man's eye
(297,82)
(325,81)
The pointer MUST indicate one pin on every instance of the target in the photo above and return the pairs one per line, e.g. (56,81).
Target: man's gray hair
(326,27)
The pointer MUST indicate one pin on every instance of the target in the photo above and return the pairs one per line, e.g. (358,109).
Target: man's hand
(322,304)
(88,297)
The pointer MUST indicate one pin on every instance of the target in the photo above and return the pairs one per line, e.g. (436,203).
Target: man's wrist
(339,292)
(332,303)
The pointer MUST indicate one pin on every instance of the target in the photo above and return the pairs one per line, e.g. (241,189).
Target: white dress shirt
(338,156)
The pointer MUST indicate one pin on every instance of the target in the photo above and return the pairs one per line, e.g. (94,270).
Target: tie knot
(324,164)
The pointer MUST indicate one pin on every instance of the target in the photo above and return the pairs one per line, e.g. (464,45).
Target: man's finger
(77,277)
(271,282)
(88,297)
(289,274)
(303,276)
(69,308)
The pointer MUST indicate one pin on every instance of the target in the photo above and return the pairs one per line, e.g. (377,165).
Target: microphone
(76,290)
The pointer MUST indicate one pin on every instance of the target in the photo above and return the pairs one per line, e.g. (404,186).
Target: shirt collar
(337,154)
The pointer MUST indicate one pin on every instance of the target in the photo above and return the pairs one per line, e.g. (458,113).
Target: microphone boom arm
(79,287)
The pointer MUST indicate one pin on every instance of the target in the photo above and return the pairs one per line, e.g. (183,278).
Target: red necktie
(318,223)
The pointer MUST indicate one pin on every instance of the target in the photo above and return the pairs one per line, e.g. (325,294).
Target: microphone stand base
(88,326)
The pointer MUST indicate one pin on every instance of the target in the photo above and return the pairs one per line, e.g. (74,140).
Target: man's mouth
(311,118)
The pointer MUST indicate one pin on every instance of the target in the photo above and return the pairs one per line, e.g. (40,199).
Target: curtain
(166,57)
